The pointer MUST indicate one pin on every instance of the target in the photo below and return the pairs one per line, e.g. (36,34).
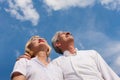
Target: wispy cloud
(33,32)
(111,4)
(2,1)
(25,30)
(109,49)
(116,65)
(90,37)
(17,53)
(65,4)
(112,48)
(118,61)
(23,10)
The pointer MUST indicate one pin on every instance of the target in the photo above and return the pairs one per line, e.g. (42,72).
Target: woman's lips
(41,40)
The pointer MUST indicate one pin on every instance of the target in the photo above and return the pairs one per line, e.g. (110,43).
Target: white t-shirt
(34,70)
(84,65)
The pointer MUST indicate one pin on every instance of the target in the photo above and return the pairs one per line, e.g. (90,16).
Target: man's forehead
(35,37)
(61,32)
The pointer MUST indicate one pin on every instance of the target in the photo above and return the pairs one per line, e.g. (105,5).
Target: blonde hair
(28,47)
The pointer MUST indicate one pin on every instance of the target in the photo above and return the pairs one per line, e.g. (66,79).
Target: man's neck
(70,48)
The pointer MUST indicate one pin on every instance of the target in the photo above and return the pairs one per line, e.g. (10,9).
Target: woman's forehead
(35,37)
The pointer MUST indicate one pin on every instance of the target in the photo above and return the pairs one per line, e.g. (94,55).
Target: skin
(66,42)
(40,47)
(18,76)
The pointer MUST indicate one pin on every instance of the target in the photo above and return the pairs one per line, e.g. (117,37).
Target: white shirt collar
(67,53)
(38,61)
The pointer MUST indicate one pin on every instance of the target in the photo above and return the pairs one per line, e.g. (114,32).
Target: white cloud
(81,45)
(1,1)
(33,32)
(113,47)
(116,65)
(108,48)
(118,61)
(99,41)
(25,30)
(64,4)
(91,37)
(111,4)
(17,53)
(23,10)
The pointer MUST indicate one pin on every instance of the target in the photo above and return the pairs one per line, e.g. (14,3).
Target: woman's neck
(43,57)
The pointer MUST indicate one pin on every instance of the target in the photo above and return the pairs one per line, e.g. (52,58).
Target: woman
(38,67)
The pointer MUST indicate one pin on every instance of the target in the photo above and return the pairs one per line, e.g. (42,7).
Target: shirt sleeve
(20,66)
(105,70)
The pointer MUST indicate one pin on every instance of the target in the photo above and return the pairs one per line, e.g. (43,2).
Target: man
(82,64)
(38,67)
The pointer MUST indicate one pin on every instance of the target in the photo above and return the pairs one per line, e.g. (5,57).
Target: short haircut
(54,40)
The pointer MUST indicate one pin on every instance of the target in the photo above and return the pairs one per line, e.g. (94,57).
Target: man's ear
(57,44)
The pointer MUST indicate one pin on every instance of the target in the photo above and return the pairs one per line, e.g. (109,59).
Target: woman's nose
(42,40)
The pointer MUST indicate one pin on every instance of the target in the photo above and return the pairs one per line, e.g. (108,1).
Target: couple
(72,65)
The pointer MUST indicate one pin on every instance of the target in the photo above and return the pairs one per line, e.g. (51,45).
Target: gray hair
(54,40)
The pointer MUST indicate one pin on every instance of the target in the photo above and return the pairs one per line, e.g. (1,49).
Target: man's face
(65,37)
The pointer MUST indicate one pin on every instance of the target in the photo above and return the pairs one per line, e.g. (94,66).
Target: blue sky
(95,24)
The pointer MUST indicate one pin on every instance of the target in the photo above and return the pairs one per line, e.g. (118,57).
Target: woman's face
(36,41)
(39,44)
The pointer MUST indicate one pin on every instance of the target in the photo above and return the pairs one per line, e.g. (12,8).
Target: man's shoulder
(58,58)
(87,52)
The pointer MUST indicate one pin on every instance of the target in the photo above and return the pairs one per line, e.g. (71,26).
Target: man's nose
(41,39)
(68,33)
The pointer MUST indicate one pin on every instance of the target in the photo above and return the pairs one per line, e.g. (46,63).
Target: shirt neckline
(67,53)
(39,62)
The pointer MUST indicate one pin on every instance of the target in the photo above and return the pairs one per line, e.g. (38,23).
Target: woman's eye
(34,39)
